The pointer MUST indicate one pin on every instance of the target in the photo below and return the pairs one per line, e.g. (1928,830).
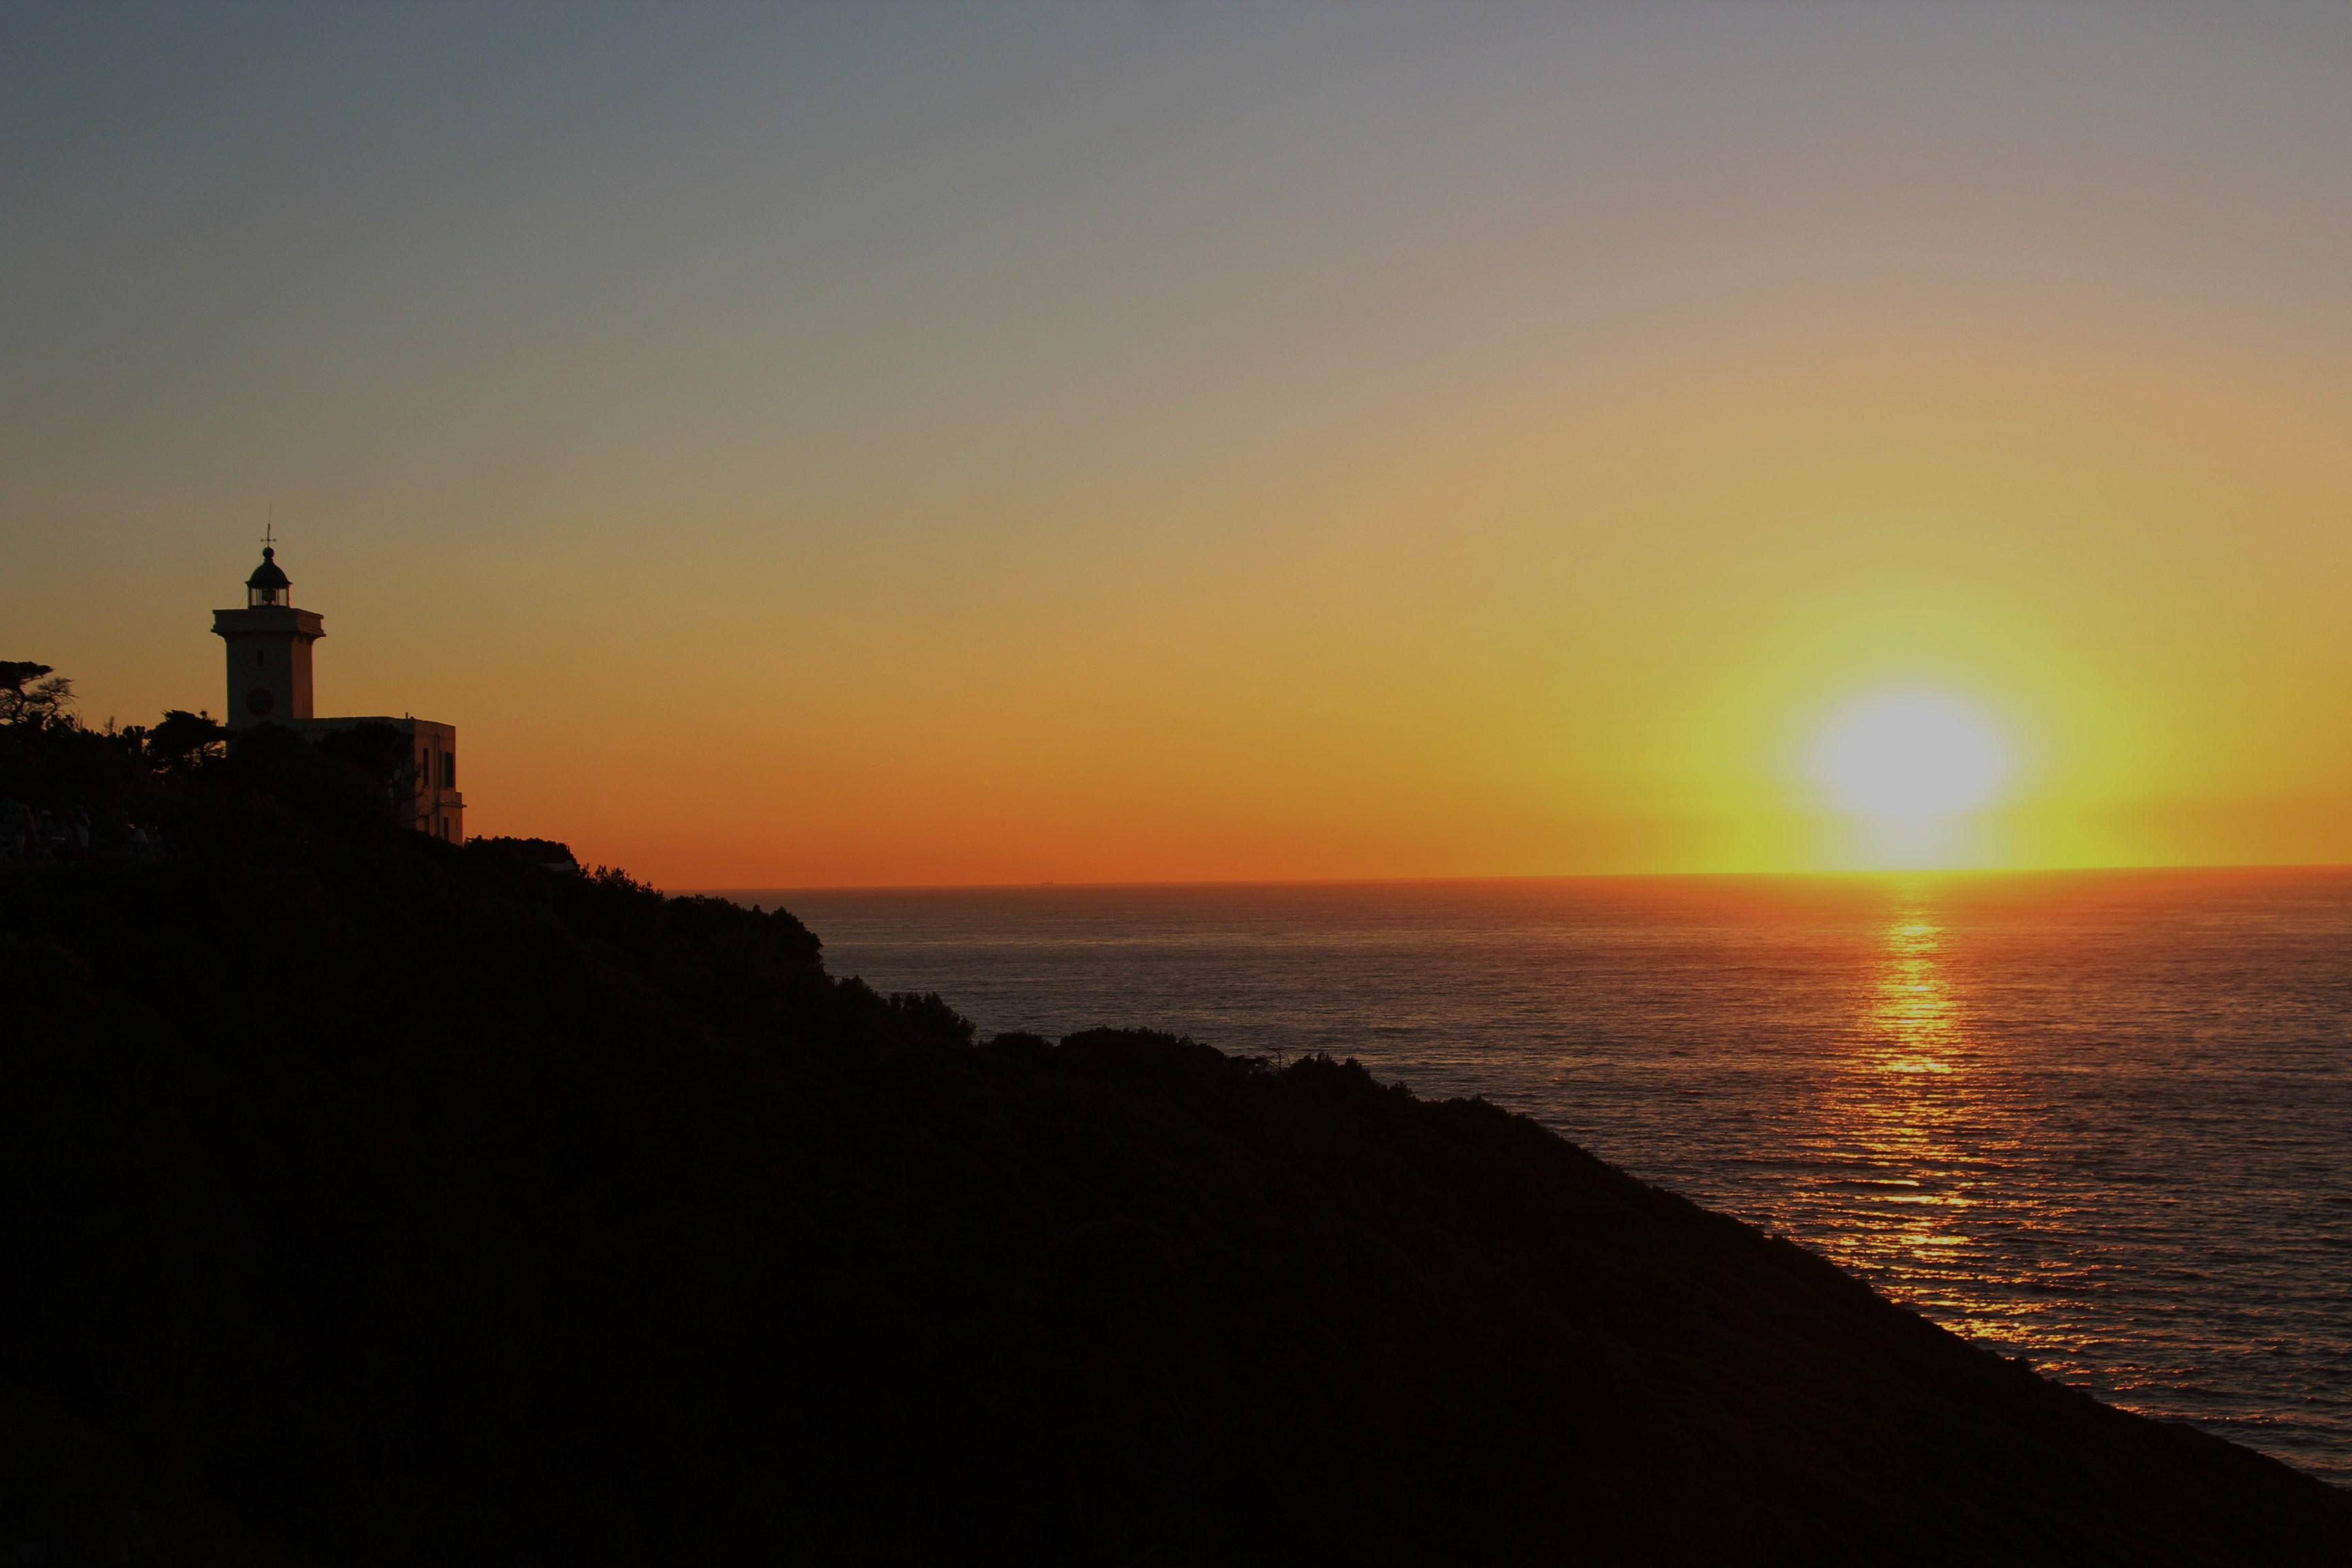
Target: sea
(2102,1121)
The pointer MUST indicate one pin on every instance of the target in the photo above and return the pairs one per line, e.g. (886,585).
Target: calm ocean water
(2103,1121)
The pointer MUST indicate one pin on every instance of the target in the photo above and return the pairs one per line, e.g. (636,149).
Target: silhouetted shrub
(545,853)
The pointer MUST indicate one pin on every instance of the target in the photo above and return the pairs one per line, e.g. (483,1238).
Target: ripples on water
(2102,1121)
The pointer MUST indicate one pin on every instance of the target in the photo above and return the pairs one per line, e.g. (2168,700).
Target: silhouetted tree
(548,854)
(33,695)
(384,755)
(182,740)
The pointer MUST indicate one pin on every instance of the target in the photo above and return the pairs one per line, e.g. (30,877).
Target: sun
(1910,757)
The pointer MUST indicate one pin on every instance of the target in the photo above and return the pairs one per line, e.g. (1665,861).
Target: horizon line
(1855,873)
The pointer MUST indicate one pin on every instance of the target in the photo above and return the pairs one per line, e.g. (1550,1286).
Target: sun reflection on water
(1914,1014)
(1925,1168)
(1903,1157)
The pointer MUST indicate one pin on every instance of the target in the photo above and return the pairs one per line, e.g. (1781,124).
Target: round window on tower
(259,701)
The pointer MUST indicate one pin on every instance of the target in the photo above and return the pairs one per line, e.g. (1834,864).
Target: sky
(876,444)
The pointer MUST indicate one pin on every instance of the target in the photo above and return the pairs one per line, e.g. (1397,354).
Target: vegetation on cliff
(364,1199)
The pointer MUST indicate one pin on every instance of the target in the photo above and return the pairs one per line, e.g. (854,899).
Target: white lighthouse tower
(269,683)
(269,650)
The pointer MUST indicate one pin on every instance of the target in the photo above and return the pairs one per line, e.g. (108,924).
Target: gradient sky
(874,444)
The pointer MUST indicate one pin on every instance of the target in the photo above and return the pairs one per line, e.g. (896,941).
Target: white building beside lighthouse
(269,644)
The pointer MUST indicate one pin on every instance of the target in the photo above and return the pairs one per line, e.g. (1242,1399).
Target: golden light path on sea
(1895,1129)
(1918,1127)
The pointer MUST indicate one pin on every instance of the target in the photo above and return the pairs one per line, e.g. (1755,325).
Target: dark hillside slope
(364,1200)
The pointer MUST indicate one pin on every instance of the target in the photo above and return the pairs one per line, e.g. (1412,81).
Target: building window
(448,769)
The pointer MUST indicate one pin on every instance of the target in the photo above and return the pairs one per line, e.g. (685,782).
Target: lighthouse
(269,683)
(269,650)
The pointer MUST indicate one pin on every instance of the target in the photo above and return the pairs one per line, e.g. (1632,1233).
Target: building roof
(268,575)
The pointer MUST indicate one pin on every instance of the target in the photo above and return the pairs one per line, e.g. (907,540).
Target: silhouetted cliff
(366,1200)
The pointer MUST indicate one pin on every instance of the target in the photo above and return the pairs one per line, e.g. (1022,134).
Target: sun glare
(1910,757)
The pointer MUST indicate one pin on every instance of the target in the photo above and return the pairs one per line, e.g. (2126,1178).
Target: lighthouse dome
(268,584)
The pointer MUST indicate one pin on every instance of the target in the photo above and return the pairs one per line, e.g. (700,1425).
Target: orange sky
(933,447)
